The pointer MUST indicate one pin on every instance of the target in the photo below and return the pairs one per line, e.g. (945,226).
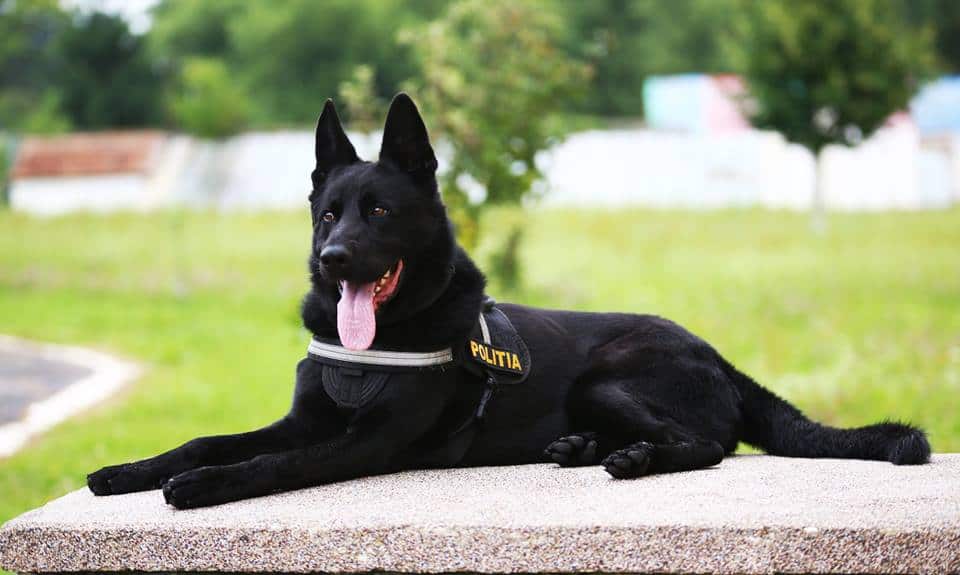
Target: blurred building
(936,109)
(98,172)
(695,103)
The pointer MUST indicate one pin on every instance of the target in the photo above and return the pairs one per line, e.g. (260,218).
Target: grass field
(856,326)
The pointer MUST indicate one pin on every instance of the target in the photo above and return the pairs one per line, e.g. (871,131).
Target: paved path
(41,385)
(27,378)
(751,514)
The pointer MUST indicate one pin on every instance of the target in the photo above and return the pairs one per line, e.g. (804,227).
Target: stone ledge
(751,514)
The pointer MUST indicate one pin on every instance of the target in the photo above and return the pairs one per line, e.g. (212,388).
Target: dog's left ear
(406,144)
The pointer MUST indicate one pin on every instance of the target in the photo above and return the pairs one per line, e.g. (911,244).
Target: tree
(491,74)
(207,102)
(830,72)
(106,78)
(183,29)
(627,40)
(297,52)
(942,18)
(291,54)
(29,66)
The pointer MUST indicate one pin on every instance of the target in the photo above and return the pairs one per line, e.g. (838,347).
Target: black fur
(636,394)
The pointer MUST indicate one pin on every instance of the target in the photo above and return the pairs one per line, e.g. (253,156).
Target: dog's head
(376,225)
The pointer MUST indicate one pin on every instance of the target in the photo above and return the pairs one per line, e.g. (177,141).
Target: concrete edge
(109,374)
(439,549)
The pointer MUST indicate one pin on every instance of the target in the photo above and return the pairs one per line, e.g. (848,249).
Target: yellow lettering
(502,358)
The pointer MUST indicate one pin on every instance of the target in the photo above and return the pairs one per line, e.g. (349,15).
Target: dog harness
(494,352)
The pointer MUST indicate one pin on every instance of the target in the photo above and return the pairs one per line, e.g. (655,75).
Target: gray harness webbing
(376,357)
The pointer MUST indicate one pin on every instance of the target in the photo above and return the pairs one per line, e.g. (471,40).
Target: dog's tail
(779,428)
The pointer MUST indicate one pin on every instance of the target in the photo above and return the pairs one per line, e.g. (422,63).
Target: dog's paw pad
(573,450)
(629,462)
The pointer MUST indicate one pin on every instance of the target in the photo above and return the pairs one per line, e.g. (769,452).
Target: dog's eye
(328,216)
(379,211)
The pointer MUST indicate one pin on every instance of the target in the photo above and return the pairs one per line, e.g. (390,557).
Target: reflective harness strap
(378,357)
(491,380)
(484,330)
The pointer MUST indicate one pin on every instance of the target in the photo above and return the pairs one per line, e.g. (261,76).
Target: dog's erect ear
(406,144)
(333,148)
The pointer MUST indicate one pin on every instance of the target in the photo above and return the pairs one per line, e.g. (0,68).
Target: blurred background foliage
(499,80)
(63,68)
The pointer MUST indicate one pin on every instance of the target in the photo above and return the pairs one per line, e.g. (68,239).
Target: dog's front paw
(126,478)
(130,477)
(203,487)
(99,481)
(629,462)
(574,450)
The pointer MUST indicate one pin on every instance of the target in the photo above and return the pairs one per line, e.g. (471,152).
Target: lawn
(855,326)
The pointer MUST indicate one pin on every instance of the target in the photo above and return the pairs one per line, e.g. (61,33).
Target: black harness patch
(498,350)
(352,388)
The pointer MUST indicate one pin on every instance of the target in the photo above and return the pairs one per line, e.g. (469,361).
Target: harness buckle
(488,388)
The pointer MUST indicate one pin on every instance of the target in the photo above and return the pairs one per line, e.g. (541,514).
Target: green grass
(855,326)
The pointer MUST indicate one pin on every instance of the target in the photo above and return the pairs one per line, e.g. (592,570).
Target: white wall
(895,169)
(53,196)
(272,169)
(892,170)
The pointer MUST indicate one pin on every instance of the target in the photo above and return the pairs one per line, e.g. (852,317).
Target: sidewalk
(41,385)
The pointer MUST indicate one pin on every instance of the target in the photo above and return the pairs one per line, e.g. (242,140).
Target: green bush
(207,102)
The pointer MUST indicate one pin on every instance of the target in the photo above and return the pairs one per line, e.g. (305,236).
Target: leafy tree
(297,52)
(29,65)
(291,54)
(492,72)
(830,72)
(627,40)
(106,78)
(183,29)
(207,102)
(943,18)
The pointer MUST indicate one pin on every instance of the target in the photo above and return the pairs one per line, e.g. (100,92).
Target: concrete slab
(751,514)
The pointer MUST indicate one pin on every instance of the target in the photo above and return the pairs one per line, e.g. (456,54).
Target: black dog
(403,373)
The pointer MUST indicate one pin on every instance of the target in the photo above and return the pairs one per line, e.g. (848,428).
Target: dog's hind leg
(644,458)
(636,437)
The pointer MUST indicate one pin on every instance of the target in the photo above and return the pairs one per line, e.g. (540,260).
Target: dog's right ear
(333,148)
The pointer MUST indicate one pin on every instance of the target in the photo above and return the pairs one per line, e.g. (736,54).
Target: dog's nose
(335,257)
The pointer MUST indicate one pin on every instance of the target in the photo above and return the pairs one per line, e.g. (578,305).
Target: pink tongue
(356,323)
